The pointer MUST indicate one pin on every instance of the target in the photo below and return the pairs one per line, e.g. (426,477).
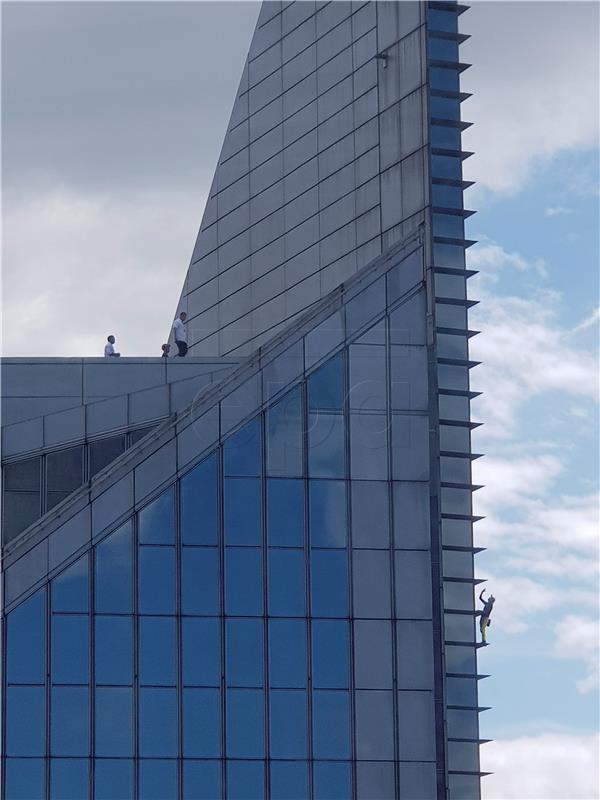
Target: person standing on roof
(165,350)
(484,621)
(180,334)
(109,349)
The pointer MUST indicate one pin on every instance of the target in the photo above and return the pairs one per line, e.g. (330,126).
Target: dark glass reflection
(114,572)
(285,512)
(26,636)
(157,520)
(241,452)
(70,588)
(284,436)
(198,491)
(327,509)
(64,470)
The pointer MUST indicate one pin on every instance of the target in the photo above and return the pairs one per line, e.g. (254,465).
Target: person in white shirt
(109,349)
(180,334)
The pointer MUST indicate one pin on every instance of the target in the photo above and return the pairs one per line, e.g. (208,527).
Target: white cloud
(553,766)
(557,211)
(491,257)
(588,322)
(577,638)
(526,106)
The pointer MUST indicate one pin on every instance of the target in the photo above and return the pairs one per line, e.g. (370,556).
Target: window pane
(372,654)
(326,386)
(25,721)
(289,780)
(454,407)
(453,286)
(201,652)
(157,580)
(331,724)
(113,572)
(375,781)
(139,434)
(25,778)
(330,654)
(242,511)
(461,786)
(458,595)
(114,722)
(286,583)
(445,196)
(461,659)
(445,137)
(374,726)
(70,588)
(367,390)
(64,470)
(285,512)
(54,498)
(69,721)
(201,723)
(114,650)
(198,492)
(19,510)
(456,501)
(200,580)
(461,691)
(25,651)
(459,628)
(462,724)
(410,447)
(326,445)
(241,451)
(457,532)
(446,80)
(327,503)
(371,583)
(370,514)
(158,779)
(157,521)
(329,583)
(455,439)
(245,723)
(450,316)
(70,648)
(288,723)
(113,779)
(201,780)
(103,451)
(457,563)
(453,377)
(157,651)
(439,20)
(245,780)
(455,470)
(23,475)
(244,652)
(287,653)
(158,722)
(450,345)
(243,582)
(414,653)
(332,781)
(449,255)
(284,436)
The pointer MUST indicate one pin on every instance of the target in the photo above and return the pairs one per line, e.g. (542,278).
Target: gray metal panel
(120,376)
(22,437)
(155,470)
(65,426)
(112,504)
(30,568)
(416,726)
(107,415)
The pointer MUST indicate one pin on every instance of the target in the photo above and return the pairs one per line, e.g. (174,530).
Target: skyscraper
(249,574)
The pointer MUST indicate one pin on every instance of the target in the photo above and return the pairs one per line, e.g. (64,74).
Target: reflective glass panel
(25,778)
(242,511)
(158,779)
(327,508)
(70,588)
(114,650)
(245,780)
(241,451)
(461,691)
(462,724)
(285,512)
(158,722)
(446,80)
(113,779)
(200,580)
(457,564)
(286,583)
(157,521)
(198,493)
(201,780)
(444,108)
(64,470)
(201,723)
(22,475)
(289,780)
(455,470)
(458,595)
(375,781)
(374,726)
(287,653)
(244,652)
(461,659)
(459,628)
(157,651)
(26,636)
(329,583)
(443,196)
(440,20)
(288,723)
(69,721)
(103,451)
(69,778)
(243,581)
(330,656)
(445,137)
(456,501)
(455,439)
(442,49)
(461,786)
(449,255)
(453,286)
(457,532)
(326,386)
(454,407)
(245,723)
(331,724)
(19,510)
(411,515)
(326,445)
(114,722)
(70,648)
(448,315)
(372,654)
(452,346)
(201,651)
(370,514)
(371,583)
(367,387)
(332,780)
(25,721)
(114,573)
(369,445)
(284,436)
(156,580)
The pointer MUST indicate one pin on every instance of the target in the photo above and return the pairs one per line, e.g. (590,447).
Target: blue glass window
(456,408)
(201,652)
(201,723)
(444,108)
(158,723)
(444,79)
(329,583)
(459,628)
(440,20)
(449,255)
(458,595)
(25,721)
(114,650)
(452,286)
(242,511)
(461,691)
(460,786)
(442,49)
(326,386)
(369,445)
(69,778)
(330,656)
(461,659)
(373,654)
(70,588)
(114,722)
(158,779)
(25,650)
(70,648)
(69,721)
(157,580)
(443,196)
(243,582)
(285,512)
(451,315)
(463,756)
(114,573)
(157,651)
(327,504)
(462,724)
(457,563)
(241,451)
(198,493)
(370,514)
(286,583)
(331,724)
(200,580)
(284,436)
(326,445)
(457,532)
(446,167)
(452,376)
(287,653)
(113,779)
(245,723)
(452,346)
(450,225)
(371,583)
(201,780)
(332,780)
(456,501)
(245,780)
(455,439)
(24,778)
(289,780)
(157,520)
(244,652)
(288,723)
(367,389)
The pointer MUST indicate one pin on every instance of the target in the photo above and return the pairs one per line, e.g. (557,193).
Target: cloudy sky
(113,115)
